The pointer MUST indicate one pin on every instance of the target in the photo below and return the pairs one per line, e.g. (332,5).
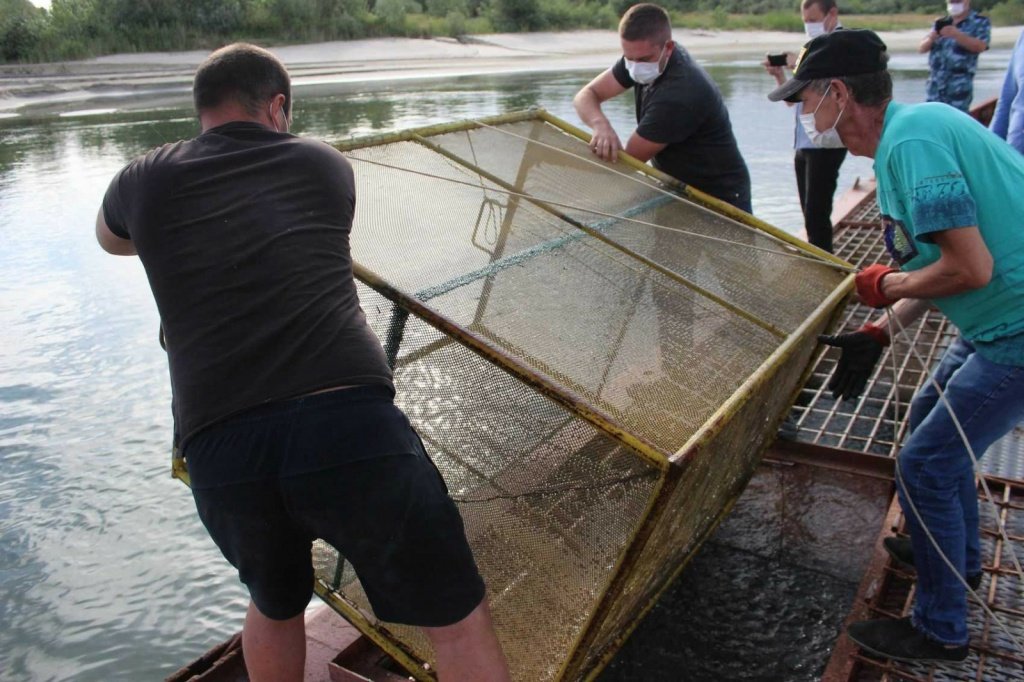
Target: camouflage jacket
(952,67)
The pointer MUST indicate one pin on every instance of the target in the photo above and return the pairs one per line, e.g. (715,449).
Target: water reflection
(104,570)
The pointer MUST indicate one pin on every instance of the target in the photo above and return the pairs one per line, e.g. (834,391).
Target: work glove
(860,352)
(869,285)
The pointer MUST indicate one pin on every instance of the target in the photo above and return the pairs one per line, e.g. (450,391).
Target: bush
(445,8)
(1009,13)
(21,37)
(517,15)
(455,24)
(392,15)
(719,17)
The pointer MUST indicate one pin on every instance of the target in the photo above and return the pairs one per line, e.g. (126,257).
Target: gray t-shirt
(244,235)
(683,109)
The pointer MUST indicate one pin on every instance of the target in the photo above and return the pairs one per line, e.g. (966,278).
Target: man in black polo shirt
(282,396)
(682,122)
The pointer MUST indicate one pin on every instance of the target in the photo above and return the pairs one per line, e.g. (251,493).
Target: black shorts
(346,467)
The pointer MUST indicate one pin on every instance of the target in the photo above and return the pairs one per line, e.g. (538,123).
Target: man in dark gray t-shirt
(282,396)
(682,124)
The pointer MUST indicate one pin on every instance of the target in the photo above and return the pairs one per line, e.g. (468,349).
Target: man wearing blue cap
(949,195)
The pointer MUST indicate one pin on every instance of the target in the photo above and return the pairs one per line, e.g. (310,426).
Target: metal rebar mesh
(994,654)
(871,423)
(567,370)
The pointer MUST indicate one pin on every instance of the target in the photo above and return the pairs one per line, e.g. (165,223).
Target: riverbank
(126,81)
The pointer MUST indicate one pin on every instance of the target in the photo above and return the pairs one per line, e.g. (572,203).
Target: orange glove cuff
(869,285)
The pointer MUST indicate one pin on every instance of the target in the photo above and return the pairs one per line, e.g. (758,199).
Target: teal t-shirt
(938,169)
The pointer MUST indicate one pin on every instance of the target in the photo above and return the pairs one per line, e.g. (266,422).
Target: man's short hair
(242,73)
(645,22)
(825,6)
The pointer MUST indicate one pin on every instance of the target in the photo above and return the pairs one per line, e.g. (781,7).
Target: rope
(891,317)
(573,207)
(632,177)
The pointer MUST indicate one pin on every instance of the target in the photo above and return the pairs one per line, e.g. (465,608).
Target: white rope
(572,207)
(891,317)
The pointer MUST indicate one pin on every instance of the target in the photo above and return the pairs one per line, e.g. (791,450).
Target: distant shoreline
(116,81)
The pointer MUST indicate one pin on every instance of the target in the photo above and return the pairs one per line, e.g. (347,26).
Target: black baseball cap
(844,52)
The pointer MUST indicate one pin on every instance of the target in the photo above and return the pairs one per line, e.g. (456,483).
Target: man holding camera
(953,46)
(817,167)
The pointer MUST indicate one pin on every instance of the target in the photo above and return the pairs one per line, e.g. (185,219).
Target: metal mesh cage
(595,357)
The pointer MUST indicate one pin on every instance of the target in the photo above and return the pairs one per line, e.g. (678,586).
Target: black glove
(861,350)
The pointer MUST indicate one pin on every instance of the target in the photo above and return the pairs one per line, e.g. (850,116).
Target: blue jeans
(937,475)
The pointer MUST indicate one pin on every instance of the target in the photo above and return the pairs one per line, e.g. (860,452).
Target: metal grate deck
(994,655)
(869,424)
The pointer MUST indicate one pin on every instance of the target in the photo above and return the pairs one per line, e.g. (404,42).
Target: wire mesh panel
(594,363)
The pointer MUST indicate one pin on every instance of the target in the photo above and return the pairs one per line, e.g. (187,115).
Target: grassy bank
(787,21)
(73,29)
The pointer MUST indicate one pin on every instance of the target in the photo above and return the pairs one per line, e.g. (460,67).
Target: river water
(105,571)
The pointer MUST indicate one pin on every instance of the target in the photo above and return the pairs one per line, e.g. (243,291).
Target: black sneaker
(902,553)
(901,641)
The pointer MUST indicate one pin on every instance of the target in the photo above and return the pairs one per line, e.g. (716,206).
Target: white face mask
(813,29)
(955,8)
(644,73)
(826,139)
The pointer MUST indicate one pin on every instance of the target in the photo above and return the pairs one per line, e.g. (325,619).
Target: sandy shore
(119,80)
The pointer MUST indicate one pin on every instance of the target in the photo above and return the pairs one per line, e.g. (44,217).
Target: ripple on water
(759,619)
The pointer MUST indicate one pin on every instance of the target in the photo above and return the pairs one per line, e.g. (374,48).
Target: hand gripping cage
(595,357)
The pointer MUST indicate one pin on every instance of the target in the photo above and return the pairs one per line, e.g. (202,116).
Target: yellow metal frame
(713,427)
(698,196)
(669,478)
(648,451)
(376,633)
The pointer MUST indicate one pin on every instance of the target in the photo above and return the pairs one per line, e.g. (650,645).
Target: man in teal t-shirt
(949,192)
(939,170)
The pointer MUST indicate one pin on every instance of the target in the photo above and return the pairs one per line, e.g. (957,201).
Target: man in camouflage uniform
(953,48)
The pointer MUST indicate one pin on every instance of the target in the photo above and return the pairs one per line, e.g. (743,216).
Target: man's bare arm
(965,264)
(642,148)
(110,242)
(926,43)
(604,142)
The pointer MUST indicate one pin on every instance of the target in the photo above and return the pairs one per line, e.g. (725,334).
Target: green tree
(392,14)
(20,37)
(517,15)
(442,8)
